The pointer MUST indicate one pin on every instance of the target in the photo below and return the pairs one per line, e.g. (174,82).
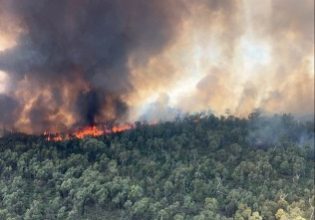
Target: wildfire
(88,131)
(121,128)
(91,131)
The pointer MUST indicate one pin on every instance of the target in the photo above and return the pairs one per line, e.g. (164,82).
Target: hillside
(199,167)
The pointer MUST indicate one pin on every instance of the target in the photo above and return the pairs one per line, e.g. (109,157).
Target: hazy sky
(250,54)
(202,55)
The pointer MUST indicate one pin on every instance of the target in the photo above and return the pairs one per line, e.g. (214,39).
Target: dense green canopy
(200,167)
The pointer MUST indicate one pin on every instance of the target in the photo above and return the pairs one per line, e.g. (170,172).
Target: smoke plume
(77,62)
(71,58)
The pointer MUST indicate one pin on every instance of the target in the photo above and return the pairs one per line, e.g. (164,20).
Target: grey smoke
(66,39)
(8,110)
(266,131)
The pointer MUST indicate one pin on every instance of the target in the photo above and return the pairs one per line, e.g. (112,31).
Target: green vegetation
(197,168)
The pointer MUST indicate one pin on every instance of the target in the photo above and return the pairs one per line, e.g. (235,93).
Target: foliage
(198,167)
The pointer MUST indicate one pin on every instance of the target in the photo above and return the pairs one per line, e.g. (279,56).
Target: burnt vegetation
(197,167)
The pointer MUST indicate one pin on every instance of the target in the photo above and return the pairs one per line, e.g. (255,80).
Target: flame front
(121,128)
(88,131)
(91,131)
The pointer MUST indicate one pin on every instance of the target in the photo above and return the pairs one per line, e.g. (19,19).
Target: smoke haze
(73,62)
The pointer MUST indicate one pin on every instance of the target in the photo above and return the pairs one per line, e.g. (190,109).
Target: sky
(152,59)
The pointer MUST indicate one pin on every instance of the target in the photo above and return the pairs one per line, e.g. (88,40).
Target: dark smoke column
(89,104)
(81,47)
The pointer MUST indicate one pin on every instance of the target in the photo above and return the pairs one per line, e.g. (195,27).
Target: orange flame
(121,128)
(89,131)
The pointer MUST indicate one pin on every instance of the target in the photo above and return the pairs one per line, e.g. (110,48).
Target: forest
(199,167)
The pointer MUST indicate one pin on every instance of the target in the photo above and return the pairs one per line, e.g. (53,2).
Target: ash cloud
(80,47)
(82,62)
(8,111)
(160,111)
(264,54)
